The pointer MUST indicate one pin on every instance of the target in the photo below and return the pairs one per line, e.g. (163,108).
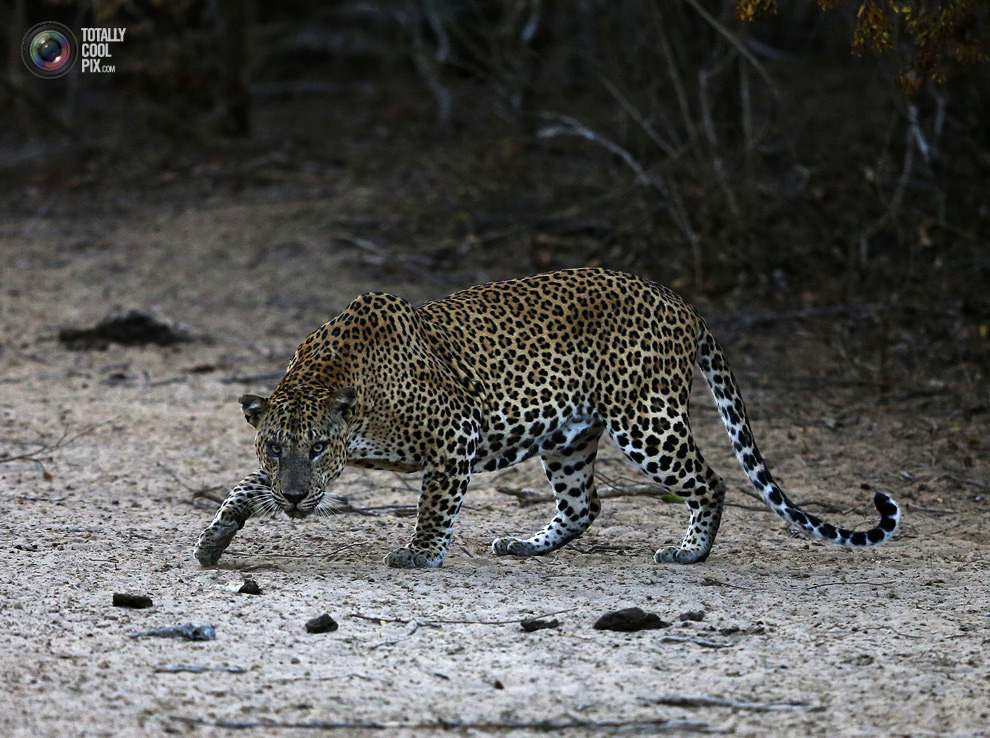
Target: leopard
(489,377)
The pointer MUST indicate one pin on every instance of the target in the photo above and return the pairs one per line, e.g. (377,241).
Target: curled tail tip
(890,514)
(890,520)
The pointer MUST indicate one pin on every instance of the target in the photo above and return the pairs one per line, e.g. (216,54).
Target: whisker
(330,506)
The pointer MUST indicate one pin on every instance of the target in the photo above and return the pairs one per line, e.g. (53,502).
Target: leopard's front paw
(408,558)
(675,555)
(509,546)
(214,541)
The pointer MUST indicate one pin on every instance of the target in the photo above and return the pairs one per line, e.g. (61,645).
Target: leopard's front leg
(247,498)
(439,502)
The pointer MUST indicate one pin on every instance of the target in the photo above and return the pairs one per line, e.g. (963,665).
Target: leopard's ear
(254,408)
(343,403)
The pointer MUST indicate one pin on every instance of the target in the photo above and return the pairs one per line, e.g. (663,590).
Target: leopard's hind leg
(571,471)
(662,446)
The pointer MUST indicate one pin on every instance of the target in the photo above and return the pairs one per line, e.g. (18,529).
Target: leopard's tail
(712,362)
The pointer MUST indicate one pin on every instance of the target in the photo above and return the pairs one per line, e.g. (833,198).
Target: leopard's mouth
(294,511)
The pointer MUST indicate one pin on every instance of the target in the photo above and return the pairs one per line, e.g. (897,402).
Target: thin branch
(458,621)
(501,726)
(571,126)
(959,480)
(63,441)
(932,510)
(676,700)
(675,78)
(201,492)
(391,641)
(696,641)
(895,200)
(708,126)
(739,46)
(634,113)
(834,584)
(253,378)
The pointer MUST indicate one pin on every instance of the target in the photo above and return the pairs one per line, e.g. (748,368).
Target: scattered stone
(536,624)
(128,599)
(198,669)
(321,624)
(188,632)
(694,616)
(131,329)
(250,587)
(630,619)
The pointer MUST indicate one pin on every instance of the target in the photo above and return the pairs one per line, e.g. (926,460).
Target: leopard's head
(301,444)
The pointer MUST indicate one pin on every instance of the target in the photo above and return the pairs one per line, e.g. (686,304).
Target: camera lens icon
(49,50)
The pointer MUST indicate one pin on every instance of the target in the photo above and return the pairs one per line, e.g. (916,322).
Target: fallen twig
(400,511)
(458,621)
(833,584)
(932,510)
(676,700)
(204,492)
(540,726)
(63,441)
(253,378)
(333,677)
(391,641)
(959,480)
(528,495)
(697,641)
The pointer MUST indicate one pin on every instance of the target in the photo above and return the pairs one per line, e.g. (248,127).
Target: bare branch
(676,700)
(739,46)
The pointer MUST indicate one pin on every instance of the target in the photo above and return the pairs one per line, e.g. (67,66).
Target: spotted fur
(494,375)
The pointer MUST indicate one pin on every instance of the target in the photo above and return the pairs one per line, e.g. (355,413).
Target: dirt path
(810,640)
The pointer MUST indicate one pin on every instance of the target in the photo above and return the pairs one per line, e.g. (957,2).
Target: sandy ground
(817,641)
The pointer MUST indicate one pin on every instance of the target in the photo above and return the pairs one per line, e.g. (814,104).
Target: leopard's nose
(294,499)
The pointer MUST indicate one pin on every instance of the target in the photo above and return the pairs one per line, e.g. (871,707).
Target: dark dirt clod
(630,619)
(128,599)
(131,329)
(536,624)
(250,587)
(321,624)
(694,616)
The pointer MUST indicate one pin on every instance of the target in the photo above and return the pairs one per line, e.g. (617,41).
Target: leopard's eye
(317,448)
(275,450)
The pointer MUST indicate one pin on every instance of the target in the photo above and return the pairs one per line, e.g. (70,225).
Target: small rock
(187,632)
(536,624)
(694,616)
(128,599)
(321,624)
(250,587)
(629,620)
(498,684)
